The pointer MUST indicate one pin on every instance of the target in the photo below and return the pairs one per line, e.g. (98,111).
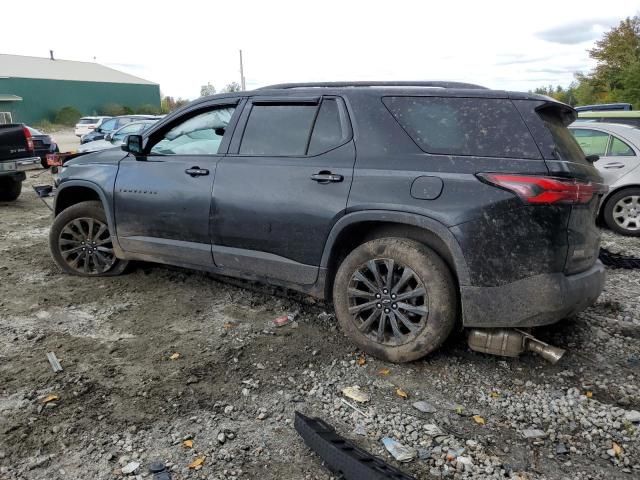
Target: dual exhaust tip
(511,343)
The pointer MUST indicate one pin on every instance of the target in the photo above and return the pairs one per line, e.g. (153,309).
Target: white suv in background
(88,124)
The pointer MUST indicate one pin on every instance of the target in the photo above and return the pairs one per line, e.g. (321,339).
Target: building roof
(5,97)
(37,67)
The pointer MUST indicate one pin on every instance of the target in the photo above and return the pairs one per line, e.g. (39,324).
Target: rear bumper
(533,301)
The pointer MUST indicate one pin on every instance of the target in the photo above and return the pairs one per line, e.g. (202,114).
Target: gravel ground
(125,398)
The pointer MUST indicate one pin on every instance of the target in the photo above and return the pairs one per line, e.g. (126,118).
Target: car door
(282,186)
(163,197)
(617,157)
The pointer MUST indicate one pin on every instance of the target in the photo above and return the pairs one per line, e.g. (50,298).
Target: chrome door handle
(614,165)
(196,171)
(326,177)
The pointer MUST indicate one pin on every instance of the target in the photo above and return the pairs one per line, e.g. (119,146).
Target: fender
(413,219)
(108,210)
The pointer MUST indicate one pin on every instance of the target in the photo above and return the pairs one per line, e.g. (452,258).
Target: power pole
(242,84)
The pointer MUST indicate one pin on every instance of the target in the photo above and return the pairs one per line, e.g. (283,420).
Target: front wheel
(622,212)
(395,298)
(81,243)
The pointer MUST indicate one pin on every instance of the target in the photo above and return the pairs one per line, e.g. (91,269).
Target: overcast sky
(184,44)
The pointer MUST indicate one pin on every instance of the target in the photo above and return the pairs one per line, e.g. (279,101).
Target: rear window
(86,121)
(484,127)
(565,147)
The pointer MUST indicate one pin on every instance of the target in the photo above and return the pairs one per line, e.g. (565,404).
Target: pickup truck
(16,156)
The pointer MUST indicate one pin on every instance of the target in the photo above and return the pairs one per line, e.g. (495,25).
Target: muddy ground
(238,379)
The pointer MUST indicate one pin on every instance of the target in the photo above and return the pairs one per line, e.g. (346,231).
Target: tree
(616,77)
(231,87)
(68,116)
(169,104)
(206,90)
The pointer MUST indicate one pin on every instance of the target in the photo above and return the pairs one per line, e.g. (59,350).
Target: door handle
(614,165)
(326,177)
(196,171)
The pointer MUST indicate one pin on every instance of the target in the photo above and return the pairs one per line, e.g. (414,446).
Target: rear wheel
(81,243)
(9,189)
(622,212)
(395,298)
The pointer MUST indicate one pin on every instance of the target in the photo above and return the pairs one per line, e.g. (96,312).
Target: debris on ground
(354,393)
(285,319)
(130,468)
(174,356)
(54,362)
(400,452)
(52,397)
(424,407)
(533,434)
(196,463)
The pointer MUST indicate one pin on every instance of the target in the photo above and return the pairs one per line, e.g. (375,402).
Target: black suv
(409,205)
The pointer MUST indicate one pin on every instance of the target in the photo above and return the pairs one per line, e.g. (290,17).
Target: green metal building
(34,89)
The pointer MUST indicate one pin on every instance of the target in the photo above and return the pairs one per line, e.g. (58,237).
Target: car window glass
(279,130)
(327,131)
(109,125)
(620,149)
(592,142)
(199,135)
(464,126)
(128,130)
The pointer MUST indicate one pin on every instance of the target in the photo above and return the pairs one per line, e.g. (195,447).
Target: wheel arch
(73,192)
(358,227)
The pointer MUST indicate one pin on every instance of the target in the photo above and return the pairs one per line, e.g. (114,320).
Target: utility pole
(242,84)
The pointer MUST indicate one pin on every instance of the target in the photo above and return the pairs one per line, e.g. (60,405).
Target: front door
(282,186)
(617,157)
(163,198)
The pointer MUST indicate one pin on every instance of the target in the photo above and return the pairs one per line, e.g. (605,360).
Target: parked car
(42,145)
(88,124)
(627,117)
(113,124)
(603,107)
(463,204)
(618,147)
(16,156)
(116,138)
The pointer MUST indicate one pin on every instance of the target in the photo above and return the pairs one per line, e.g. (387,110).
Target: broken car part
(341,456)
(511,343)
(615,260)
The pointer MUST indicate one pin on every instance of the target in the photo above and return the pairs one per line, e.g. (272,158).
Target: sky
(513,45)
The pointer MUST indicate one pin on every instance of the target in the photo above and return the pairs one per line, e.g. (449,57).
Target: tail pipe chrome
(511,343)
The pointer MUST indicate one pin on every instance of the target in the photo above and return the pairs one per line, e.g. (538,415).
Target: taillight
(545,190)
(27,136)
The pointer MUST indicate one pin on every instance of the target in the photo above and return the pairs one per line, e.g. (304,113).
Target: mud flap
(341,456)
(615,260)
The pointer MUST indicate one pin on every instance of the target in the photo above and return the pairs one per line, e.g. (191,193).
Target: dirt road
(236,381)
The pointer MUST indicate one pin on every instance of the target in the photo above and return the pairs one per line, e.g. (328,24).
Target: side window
(593,142)
(198,135)
(278,130)
(483,127)
(619,148)
(329,130)
(108,125)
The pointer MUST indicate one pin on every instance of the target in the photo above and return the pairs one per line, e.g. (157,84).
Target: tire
(431,317)
(10,189)
(71,228)
(622,212)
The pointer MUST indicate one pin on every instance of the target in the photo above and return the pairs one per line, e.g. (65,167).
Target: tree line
(616,77)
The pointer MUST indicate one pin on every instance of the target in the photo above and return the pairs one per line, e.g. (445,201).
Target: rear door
(282,186)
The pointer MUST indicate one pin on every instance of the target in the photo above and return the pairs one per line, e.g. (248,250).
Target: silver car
(619,149)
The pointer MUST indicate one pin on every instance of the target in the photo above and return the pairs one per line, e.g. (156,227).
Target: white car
(88,124)
(116,138)
(618,147)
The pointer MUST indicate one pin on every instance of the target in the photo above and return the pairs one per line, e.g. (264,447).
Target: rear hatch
(548,121)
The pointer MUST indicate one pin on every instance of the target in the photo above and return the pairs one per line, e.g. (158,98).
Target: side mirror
(592,158)
(133,144)
(108,137)
(219,131)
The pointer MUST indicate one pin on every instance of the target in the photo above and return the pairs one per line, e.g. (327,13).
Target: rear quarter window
(484,127)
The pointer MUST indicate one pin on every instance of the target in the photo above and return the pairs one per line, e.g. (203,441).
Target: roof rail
(432,84)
